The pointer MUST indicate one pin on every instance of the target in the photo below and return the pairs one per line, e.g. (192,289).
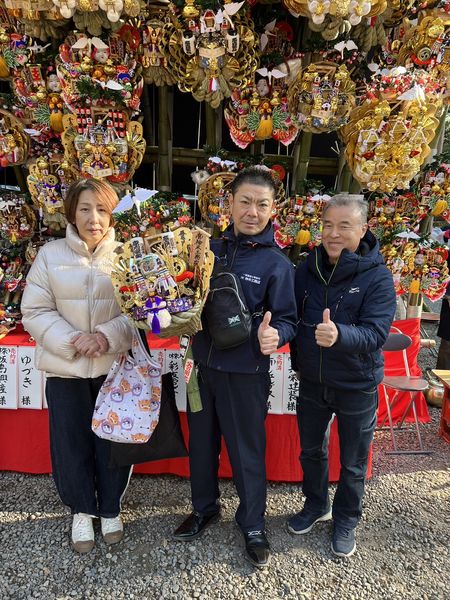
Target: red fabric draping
(24,447)
(24,438)
(394,365)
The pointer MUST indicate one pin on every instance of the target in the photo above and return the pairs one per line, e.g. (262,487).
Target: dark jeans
(356,418)
(235,406)
(80,459)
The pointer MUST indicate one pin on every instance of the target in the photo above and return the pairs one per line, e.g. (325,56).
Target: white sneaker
(112,529)
(82,533)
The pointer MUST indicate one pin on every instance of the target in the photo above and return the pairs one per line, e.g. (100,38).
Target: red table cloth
(24,436)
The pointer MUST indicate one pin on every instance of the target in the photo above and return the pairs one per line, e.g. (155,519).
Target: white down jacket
(69,291)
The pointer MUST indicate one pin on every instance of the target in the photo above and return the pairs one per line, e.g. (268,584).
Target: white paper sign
(174,365)
(8,377)
(276,377)
(30,379)
(290,388)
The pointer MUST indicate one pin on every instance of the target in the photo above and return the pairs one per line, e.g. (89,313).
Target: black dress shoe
(193,526)
(257,549)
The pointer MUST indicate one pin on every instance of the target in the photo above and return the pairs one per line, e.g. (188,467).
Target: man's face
(342,228)
(251,207)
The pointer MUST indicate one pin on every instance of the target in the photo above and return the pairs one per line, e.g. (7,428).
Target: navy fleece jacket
(267,280)
(359,291)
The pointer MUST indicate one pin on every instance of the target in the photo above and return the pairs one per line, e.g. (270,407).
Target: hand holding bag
(129,401)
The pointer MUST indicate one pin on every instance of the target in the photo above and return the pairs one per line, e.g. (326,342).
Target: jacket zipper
(90,311)
(211,344)
(326,283)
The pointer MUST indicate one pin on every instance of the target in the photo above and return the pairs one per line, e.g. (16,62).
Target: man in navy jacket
(234,383)
(346,303)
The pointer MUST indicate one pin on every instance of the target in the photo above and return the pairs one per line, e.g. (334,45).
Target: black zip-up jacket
(267,280)
(359,291)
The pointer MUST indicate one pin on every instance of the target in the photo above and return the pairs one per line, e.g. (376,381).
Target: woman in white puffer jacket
(69,308)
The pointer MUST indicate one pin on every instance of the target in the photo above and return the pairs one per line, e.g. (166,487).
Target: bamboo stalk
(164,135)
(414,307)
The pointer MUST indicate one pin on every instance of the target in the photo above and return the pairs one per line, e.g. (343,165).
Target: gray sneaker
(343,542)
(305,520)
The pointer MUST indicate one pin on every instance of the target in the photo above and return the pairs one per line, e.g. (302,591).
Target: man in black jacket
(346,303)
(234,383)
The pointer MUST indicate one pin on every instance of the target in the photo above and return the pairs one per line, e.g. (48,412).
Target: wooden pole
(211,119)
(192,157)
(301,157)
(147,114)
(345,179)
(164,135)
(355,186)
(20,178)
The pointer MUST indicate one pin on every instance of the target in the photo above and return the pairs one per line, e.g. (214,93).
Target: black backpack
(229,320)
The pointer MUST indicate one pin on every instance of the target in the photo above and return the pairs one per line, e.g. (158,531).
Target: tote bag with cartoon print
(129,401)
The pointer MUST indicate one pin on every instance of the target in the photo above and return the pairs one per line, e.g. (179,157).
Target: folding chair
(399,342)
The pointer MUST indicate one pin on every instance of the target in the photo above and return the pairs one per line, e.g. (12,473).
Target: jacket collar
(265,238)
(80,247)
(367,257)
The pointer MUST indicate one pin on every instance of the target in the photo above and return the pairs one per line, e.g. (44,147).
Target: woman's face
(92,219)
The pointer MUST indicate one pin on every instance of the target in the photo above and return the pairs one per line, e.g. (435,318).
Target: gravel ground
(403,541)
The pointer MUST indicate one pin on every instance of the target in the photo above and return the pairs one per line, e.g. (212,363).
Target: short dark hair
(105,192)
(355,201)
(256,176)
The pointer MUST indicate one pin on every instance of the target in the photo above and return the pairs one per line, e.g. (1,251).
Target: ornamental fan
(213,199)
(47,182)
(163,212)
(113,150)
(14,50)
(321,97)
(14,142)
(17,219)
(97,74)
(332,17)
(391,215)
(298,221)
(40,19)
(387,138)
(417,268)
(433,189)
(210,54)
(161,283)
(155,40)
(397,10)
(38,93)
(426,46)
(260,112)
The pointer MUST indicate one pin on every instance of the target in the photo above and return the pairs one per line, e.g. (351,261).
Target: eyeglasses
(332,317)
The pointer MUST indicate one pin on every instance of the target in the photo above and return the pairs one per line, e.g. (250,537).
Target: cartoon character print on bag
(128,404)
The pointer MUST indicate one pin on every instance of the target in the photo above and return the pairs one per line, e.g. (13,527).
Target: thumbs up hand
(326,332)
(267,336)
